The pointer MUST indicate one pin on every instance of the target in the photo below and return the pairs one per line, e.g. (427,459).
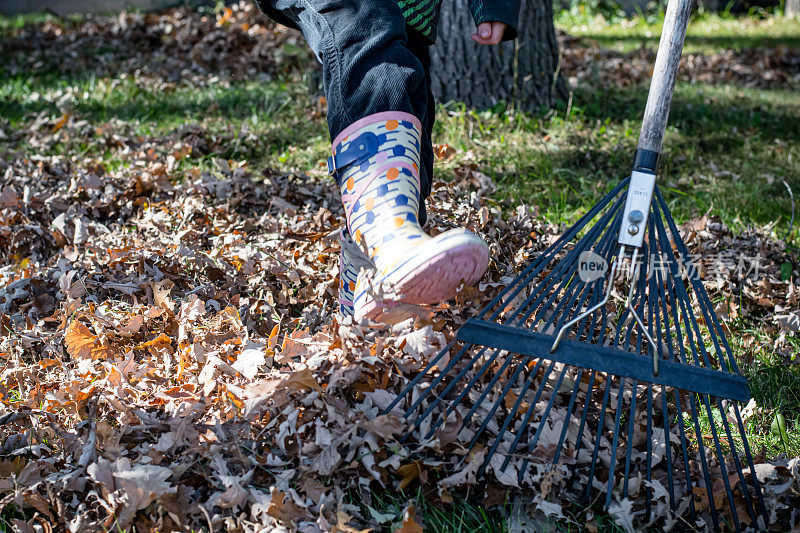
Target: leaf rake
(621,376)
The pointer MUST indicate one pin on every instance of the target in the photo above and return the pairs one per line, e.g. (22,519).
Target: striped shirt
(423,15)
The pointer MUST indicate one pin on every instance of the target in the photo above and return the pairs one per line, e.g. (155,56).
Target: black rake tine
(605,245)
(562,274)
(732,443)
(629,446)
(571,404)
(656,286)
(576,389)
(509,385)
(523,424)
(670,298)
(527,274)
(615,443)
(648,492)
(721,458)
(695,330)
(749,456)
(510,417)
(598,435)
(692,330)
(698,286)
(684,449)
(579,437)
(457,401)
(703,460)
(424,372)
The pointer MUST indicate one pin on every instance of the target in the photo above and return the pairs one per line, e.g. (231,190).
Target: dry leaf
(81,343)
(410,523)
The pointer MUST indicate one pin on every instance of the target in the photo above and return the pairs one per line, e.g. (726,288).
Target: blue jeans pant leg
(370,63)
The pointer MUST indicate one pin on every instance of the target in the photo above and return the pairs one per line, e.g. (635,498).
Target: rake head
(626,388)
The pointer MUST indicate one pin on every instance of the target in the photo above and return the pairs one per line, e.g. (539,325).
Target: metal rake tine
(631,432)
(598,435)
(528,273)
(542,420)
(496,405)
(562,274)
(510,416)
(615,443)
(424,372)
(698,287)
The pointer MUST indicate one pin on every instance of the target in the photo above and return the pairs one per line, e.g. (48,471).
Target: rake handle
(665,71)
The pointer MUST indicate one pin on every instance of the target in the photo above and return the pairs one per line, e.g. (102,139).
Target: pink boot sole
(437,277)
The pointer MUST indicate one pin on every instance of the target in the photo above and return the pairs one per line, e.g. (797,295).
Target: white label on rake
(640,193)
(591,266)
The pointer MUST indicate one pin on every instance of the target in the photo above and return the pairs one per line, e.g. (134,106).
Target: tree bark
(523,73)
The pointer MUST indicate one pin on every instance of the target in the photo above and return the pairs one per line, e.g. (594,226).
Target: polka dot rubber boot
(348,273)
(375,161)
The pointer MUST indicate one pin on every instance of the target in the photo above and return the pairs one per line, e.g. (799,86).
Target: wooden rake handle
(665,71)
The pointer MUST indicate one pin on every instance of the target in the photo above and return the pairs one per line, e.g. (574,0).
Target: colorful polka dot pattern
(381,195)
(348,276)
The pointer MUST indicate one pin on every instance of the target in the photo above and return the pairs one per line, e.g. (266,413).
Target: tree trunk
(792,8)
(523,73)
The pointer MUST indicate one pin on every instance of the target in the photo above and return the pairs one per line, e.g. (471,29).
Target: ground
(170,351)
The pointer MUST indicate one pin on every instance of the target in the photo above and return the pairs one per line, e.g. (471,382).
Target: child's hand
(489,32)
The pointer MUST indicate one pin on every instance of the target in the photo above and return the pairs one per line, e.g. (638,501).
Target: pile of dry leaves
(171,357)
(169,47)
(585,63)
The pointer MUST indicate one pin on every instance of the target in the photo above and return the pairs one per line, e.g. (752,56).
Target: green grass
(727,147)
(461,516)
(707,32)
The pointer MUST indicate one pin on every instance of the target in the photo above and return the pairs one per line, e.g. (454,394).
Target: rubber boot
(376,164)
(351,261)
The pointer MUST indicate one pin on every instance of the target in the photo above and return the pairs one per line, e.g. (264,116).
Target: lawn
(731,150)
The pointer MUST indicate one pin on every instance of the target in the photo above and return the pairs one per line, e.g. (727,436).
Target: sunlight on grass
(707,33)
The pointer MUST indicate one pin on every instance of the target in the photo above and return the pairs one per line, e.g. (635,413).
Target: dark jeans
(371,62)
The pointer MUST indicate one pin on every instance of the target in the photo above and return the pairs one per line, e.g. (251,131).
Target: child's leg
(378,100)
(370,64)
(363,48)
